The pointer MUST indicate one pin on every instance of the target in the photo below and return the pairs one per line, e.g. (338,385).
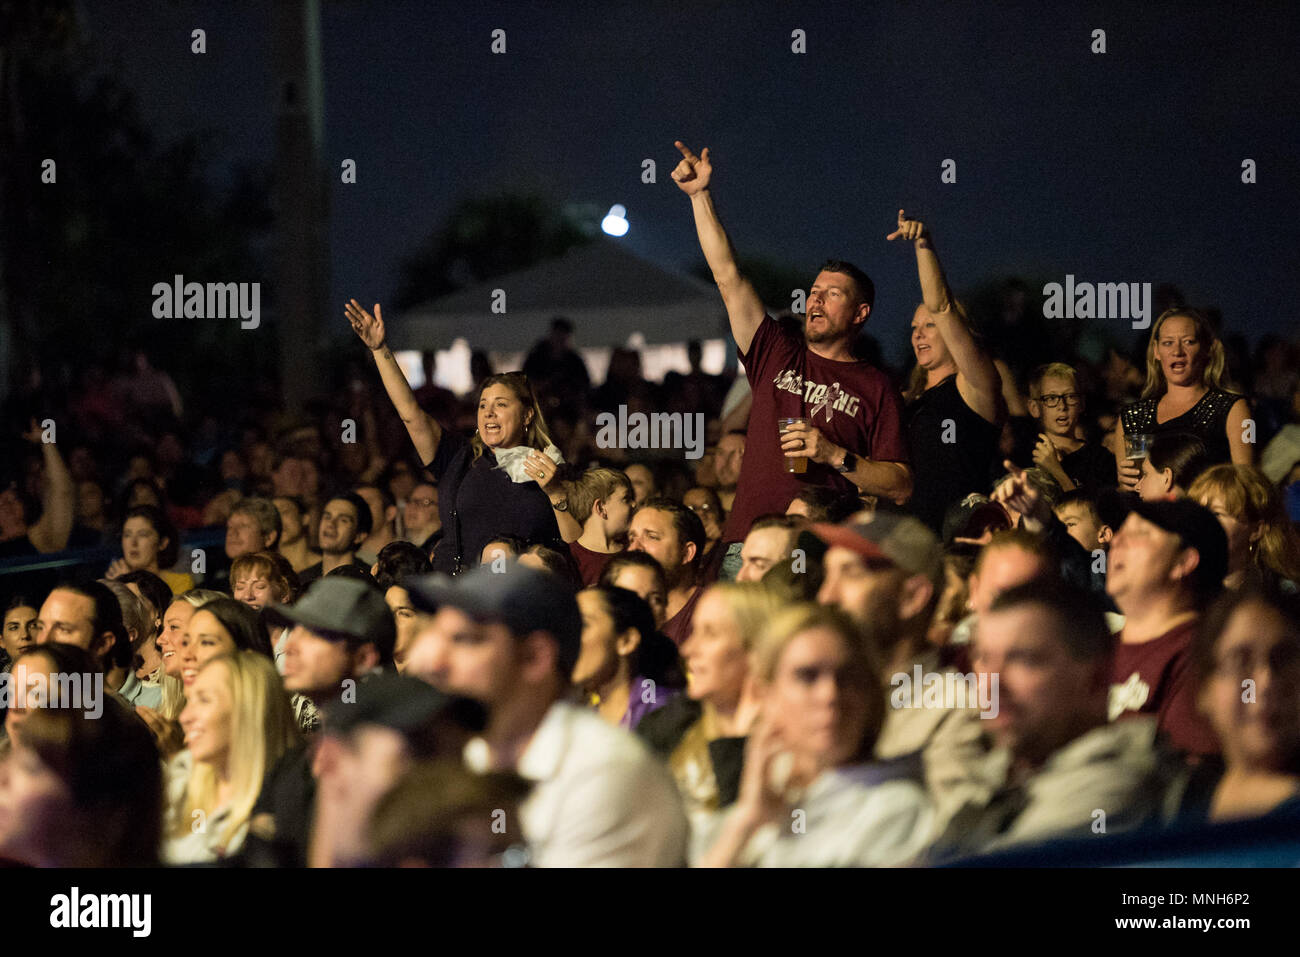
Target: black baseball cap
(523,599)
(340,609)
(1194,524)
(405,704)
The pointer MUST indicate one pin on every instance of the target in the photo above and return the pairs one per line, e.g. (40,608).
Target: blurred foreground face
(35,670)
(1260,730)
(1045,697)
(35,805)
(818,698)
(360,770)
(208,717)
(642,581)
(865,591)
(717,663)
(456,654)
(1002,568)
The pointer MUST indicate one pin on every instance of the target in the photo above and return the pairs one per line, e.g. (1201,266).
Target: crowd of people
(1032,591)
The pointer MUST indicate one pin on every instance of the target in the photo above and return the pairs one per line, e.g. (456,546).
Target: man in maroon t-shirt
(1166,563)
(853,436)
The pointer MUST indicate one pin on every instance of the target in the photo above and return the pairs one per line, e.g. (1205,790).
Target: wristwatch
(850,460)
(561,506)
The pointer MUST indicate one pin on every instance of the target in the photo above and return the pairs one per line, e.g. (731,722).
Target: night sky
(1116,167)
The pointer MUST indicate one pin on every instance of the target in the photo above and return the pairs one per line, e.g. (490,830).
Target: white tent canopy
(610,295)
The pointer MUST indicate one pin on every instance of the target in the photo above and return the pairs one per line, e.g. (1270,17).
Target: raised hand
(540,467)
(1018,494)
(693,173)
(908,228)
(370,329)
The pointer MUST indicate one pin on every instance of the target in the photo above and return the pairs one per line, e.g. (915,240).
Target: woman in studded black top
(1183,394)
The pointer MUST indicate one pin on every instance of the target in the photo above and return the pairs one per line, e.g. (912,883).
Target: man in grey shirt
(1066,772)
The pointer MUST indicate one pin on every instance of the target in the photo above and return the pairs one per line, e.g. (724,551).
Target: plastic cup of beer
(797,465)
(1136,445)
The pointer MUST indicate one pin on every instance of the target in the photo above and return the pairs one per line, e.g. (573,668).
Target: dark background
(1116,167)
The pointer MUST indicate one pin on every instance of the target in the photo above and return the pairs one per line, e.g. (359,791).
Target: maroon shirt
(853,404)
(678,627)
(1155,678)
(591,565)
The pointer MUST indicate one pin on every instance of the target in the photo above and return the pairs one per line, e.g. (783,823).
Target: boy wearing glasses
(1056,403)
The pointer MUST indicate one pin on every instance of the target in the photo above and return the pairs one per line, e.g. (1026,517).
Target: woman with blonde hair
(701,734)
(237,724)
(500,482)
(1184,392)
(809,758)
(1262,543)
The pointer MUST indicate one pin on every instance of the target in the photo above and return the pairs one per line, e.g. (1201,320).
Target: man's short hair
(829,504)
(364,523)
(866,288)
(688,524)
(596,484)
(1016,538)
(397,561)
(1079,615)
(791,523)
(264,512)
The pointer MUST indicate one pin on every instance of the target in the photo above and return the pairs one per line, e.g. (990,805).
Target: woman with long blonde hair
(809,760)
(1185,392)
(1262,542)
(237,723)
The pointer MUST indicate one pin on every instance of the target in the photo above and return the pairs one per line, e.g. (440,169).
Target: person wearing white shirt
(810,793)
(510,640)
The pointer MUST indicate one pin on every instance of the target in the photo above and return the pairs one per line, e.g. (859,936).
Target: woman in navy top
(1183,394)
(500,482)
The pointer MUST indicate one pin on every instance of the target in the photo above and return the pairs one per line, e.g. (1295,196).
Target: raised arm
(51,531)
(744,308)
(423,428)
(977,377)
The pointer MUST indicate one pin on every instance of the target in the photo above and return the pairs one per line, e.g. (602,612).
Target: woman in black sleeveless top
(1183,394)
(954,412)
(500,482)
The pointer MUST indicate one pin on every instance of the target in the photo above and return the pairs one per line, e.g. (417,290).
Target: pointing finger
(686,151)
